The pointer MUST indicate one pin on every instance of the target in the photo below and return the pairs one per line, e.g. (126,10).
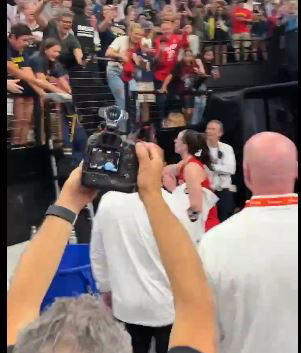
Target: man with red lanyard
(167,48)
(241,19)
(252,258)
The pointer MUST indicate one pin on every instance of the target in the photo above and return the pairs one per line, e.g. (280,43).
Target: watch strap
(61,212)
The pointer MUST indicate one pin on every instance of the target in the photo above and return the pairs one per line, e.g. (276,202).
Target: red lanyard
(273,201)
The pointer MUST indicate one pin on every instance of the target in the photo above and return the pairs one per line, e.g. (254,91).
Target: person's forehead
(213,125)
(66,19)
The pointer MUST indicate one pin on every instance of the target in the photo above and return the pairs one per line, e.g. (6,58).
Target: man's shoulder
(225,146)
(114,198)
(231,228)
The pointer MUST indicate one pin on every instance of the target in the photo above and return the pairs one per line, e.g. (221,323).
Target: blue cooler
(74,276)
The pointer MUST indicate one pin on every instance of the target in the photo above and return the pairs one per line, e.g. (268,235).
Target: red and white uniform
(212,219)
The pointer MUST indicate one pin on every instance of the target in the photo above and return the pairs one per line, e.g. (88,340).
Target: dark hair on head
(78,6)
(19,30)
(48,43)
(147,133)
(195,142)
(208,48)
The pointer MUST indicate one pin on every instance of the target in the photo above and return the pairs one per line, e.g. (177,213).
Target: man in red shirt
(167,48)
(241,19)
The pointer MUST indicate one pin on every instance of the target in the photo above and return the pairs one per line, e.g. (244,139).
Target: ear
(247,175)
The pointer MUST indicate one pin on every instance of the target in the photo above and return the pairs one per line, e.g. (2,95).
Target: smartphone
(214,70)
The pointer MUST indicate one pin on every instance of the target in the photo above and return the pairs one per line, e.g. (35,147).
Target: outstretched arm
(194,321)
(41,259)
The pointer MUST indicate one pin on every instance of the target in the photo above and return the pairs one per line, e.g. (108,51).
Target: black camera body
(110,163)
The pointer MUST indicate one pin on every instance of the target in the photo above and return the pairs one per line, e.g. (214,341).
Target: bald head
(270,164)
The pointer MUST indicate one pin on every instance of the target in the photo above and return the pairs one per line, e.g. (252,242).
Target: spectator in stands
(50,8)
(223,166)
(221,35)
(109,29)
(130,18)
(194,170)
(201,28)
(241,19)
(120,7)
(46,68)
(144,76)
(255,252)
(194,40)
(18,68)
(259,34)
(210,71)
(183,78)
(28,11)
(149,11)
(67,4)
(82,27)
(167,47)
(121,49)
(60,28)
(14,15)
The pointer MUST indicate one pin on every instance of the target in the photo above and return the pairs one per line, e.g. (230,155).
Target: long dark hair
(196,142)
(48,43)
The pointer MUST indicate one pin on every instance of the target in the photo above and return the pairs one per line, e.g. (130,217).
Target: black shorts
(28,91)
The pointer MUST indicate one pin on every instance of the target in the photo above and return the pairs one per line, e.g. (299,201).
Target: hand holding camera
(110,163)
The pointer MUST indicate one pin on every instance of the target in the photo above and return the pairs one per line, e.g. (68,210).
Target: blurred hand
(150,157)
(169,181)
(74,196)
(13,87)
(124,57)
(163,90)
(93,21)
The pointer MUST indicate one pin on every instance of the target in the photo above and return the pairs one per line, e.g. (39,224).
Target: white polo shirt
(125,258)
(223,167)
(251,261)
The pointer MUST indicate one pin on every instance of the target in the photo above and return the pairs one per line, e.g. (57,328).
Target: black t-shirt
(40,64)
(68,44)
(183,350)
(117,29)
(19,59)
(84,32)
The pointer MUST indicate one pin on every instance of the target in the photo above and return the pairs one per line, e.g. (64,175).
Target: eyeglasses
(66,22)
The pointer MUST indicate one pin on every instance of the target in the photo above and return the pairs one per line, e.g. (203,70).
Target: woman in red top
(194,152)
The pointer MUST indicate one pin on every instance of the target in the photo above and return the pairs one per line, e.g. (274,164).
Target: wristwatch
(61,212)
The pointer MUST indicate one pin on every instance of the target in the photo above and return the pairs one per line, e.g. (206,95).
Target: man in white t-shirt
(251,259)
(126,262)
(224,166)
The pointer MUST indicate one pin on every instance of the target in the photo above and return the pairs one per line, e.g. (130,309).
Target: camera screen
(104,159)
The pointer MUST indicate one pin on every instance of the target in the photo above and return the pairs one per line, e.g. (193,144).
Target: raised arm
(41,259)
(194,316)
(41,19)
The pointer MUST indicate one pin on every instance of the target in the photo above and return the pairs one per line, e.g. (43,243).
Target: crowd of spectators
(170,46)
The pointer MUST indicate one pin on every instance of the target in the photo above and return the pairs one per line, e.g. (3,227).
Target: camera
(110,162)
